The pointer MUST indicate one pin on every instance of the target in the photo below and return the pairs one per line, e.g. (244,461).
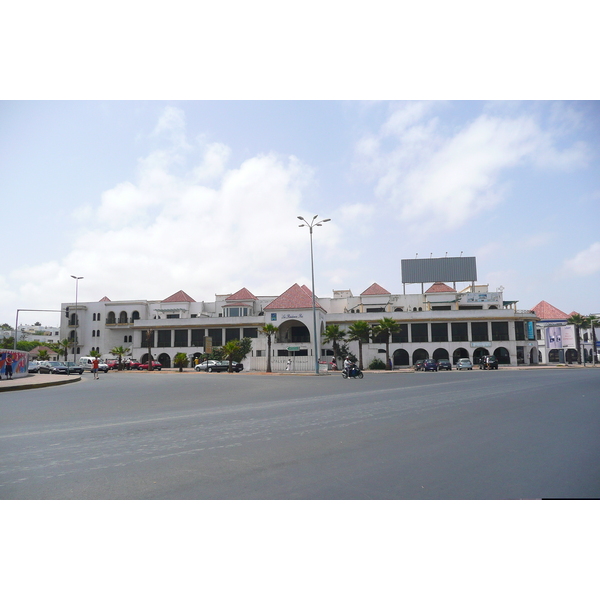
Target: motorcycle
(353,372)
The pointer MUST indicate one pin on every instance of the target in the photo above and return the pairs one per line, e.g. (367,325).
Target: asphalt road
(507,434)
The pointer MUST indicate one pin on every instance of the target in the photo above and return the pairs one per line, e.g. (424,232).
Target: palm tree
(269,330)
(384,328)
(334,334)
(119,352)
(594,321)
(62,347)
(360,332)
(180,360)
(149,336)
(229,350)
(579,322)
(43,355)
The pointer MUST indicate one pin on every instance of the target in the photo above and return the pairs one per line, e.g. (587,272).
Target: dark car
(236,366)
(444,364)
(488,362)
(430,365)
(54,367)
(419,365)
(74,368)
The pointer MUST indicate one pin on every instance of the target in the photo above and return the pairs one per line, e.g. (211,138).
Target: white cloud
(438,180)
(586,262)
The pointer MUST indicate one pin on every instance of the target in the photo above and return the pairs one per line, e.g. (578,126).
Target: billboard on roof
(430,270)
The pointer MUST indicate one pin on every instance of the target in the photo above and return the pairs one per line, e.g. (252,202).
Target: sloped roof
(375,290)
(242,294)
(438,288)
(295,297)
(105,299)
(179,296)
(573,313)
(546,311)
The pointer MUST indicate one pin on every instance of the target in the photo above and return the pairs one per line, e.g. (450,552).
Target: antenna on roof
(446,255)
(461,253)
(417,255)
(430,254)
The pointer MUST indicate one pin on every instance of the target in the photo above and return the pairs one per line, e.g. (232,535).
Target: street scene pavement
(507,434)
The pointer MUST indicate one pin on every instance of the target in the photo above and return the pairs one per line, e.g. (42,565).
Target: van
(87,363)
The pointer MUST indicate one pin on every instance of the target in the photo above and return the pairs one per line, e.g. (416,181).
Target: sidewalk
(36,381)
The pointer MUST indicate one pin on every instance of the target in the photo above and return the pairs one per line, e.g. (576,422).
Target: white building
(438,323)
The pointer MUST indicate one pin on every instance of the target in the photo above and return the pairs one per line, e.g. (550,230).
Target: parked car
(74,368)
(488,362)
(211,366)
(112,363)
(54,367)
(464,363)
(430,365)
(87,362)
(444,364)
(156,366)
(132,364)
(236,366)
(34,366)
(419,365)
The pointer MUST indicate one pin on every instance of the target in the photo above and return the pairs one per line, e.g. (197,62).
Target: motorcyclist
(348,364)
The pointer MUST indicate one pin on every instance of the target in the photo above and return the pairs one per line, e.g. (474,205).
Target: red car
(156,366)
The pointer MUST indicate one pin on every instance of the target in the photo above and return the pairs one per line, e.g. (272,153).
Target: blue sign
(273,316)
(530,331)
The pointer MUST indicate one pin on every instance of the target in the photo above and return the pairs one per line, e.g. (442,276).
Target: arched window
(135,315)
(123,317)
(110,318)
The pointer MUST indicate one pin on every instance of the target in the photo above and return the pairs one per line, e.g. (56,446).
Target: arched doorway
(419,354)
(165,360)
(401,358)
(440,353)
(571,356)
(478,354)
(459,353)
(502,355)
(293,332)
(554,356)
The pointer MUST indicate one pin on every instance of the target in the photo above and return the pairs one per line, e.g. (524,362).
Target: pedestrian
(8,366)
(95,367)
(289,364)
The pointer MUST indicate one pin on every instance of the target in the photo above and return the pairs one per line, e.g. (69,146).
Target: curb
(16,386)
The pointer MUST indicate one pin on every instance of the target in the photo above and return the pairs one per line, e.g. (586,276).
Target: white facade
(433,324)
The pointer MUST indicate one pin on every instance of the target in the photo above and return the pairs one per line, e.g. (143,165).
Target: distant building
(440,322)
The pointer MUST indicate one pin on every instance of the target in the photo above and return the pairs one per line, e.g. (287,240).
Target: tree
(580,323)
(180,360)
(333,334)
(269,330)
(231,349)
(594,321)
(95,353)
(360,332)
(384,329)
(119,352)
(149,338)
(62,347)
(43,355)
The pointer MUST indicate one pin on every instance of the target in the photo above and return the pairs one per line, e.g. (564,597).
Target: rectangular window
(419,333)
(145,336)
(232,334)
(164,338)
(197,337)
(375,310)
(251,332)
(439,332)
(479,332)
(459,332)
(217,336)
(181,338)
(401,336)
(441,308)
(500,331)
(173,316)
(519,330)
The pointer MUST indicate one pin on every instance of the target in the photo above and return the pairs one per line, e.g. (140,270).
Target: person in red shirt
(95,368)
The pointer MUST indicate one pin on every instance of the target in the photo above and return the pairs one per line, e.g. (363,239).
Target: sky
(144,198)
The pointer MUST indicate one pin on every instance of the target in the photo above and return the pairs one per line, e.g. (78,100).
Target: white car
(464,363)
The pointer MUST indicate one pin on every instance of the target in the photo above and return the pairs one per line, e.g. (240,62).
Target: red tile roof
(105,299)
(438,287)
(242,294)
(295,297)
(546,311)
(180,296)
(375,290)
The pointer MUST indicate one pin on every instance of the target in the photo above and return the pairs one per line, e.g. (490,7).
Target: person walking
(95,367)
(8,363)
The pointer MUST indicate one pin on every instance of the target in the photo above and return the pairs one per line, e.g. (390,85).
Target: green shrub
(377,364)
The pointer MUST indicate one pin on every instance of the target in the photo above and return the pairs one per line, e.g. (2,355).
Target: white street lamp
(312,269)
(75,341)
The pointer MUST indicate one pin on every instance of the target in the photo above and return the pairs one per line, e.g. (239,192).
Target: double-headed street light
(312,269)
(76,316)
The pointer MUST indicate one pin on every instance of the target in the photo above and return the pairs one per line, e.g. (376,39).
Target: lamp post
(312,270)
(76,316)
